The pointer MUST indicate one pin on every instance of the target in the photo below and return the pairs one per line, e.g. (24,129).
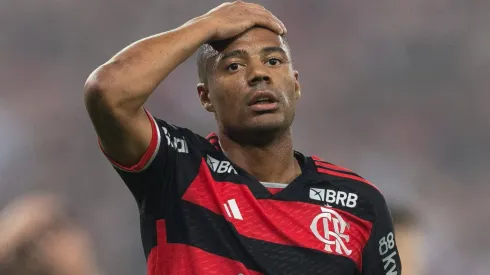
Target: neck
(270,162)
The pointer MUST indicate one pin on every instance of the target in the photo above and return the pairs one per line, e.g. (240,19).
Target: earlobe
(208,107)
(203,94)
(298,94)
(297,87)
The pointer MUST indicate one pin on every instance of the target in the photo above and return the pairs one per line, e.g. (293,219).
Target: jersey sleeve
(171,150)
(380,255)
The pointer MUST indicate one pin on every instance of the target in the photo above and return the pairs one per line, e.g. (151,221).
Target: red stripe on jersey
(214,140)
(211,135)
(204,194)
(274,191)
(151,262)
(147,156)
(342,175)
(282,222)
(321,162)
(175,258)
(331,166)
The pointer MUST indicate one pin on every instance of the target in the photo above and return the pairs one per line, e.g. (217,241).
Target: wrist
(203,27)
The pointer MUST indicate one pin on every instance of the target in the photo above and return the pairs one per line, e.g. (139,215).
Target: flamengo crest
(333,231)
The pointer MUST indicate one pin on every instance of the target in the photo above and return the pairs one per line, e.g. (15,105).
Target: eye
(274,61)
(233,67)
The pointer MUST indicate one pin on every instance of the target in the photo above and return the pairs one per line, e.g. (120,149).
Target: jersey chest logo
(329,227)
(334,197)
(220,167)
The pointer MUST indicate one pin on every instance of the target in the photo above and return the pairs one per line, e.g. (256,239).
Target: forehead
(252,41)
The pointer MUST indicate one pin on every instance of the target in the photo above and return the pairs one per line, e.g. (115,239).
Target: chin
(268,123)
(266,120)
(258,132)
(267,127)
(262,127)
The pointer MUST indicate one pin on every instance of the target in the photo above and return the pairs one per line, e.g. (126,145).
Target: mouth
(263,101)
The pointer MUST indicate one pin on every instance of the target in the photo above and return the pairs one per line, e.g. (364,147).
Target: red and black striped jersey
(202,214)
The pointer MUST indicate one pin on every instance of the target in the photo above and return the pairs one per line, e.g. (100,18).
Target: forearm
(129,77)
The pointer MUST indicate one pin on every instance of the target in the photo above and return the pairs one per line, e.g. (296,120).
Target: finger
(283,27)
(273,17)
(269,23)
(257,6)
(260,11)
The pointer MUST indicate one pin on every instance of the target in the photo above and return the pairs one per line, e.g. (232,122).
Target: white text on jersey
(178,144)
(220,167)
(334,197)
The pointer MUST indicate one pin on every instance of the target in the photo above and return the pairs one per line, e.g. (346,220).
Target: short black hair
(204,54)
(208,52)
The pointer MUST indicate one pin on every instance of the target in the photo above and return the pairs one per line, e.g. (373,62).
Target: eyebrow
(241,52)
(275,49)
(234,53)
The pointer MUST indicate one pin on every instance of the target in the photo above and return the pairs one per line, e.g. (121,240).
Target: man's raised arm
(116,91)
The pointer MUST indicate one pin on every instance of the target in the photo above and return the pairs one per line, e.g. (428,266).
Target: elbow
(101,79)
(100,85)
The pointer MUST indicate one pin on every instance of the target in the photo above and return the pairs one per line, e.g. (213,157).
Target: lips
(263,101)
(262,97)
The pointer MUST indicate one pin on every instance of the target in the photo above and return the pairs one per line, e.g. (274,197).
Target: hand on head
(232,19)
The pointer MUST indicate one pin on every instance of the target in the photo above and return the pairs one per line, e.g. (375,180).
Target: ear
(297,87)
(203,93)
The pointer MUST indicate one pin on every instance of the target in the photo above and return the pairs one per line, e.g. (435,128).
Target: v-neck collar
(261,192)
(255,186)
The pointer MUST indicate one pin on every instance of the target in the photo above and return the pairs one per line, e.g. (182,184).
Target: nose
(258,73)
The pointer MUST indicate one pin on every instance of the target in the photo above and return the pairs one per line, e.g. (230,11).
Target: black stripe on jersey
(199,224)
(318,164)
(207,231)
(289,260)
(148,234)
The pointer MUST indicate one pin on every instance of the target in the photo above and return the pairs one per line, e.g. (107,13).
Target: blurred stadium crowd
(398,91)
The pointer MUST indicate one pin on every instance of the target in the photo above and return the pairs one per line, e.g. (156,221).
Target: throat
(275,172)
(275,162)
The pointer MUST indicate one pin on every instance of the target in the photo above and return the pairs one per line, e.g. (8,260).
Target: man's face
(252,87)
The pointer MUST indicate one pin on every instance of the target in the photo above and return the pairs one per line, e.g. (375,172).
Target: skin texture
(115,92)
(257,60)
(259,142)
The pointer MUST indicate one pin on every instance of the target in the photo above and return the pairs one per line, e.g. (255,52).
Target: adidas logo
(231,208)
(220,167)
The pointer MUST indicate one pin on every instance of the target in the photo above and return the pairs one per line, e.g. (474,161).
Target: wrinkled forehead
(251,41)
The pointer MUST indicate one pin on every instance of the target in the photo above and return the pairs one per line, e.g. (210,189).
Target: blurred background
(397,91)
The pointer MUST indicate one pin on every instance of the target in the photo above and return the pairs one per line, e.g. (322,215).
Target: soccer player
(241,201)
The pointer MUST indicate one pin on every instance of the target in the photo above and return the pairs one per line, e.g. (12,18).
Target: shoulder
(181,138)
(346,179)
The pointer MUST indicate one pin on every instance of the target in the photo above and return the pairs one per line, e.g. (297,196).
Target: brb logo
(333,227)
(220,167)
(335,197)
